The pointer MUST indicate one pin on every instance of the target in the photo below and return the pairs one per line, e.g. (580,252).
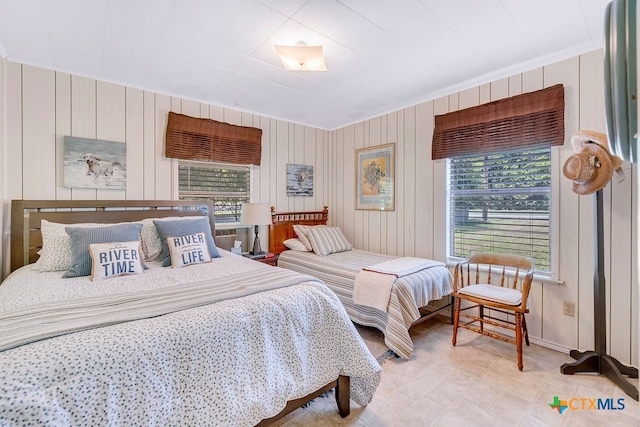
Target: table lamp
(256,214)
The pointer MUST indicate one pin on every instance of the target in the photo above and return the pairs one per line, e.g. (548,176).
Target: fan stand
(597,360)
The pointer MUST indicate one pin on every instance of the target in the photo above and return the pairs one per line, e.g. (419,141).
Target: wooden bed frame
(26,216)
(26,240)
(281,229)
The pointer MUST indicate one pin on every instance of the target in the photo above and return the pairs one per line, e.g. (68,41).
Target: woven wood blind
(532,119)
(190,138)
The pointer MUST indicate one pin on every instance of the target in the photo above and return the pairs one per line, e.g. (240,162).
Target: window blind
(190,138)
(527,120)
(229,186)
(500,202)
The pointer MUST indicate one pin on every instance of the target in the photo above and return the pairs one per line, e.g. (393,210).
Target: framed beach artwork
(299,180)
(94,163)
(375,175)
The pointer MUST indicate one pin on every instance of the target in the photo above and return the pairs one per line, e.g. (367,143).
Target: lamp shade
(255,214)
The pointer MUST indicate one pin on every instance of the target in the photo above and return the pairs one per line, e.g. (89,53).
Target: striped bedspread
(408,294)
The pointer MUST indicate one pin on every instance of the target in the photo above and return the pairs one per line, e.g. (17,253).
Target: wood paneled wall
(40,106)
(4,212)
(418,224)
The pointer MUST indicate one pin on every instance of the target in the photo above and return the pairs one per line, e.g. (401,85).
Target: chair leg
(456,320)
(519,339)
(524,328)
(481,309)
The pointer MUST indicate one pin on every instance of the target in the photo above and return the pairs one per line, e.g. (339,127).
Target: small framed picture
(299,180)
(375,175)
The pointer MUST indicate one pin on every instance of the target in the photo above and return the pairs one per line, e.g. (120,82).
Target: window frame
(220,225)
(553,274)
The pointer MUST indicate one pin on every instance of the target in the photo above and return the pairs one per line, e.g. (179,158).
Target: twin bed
(339,266)
(226,342)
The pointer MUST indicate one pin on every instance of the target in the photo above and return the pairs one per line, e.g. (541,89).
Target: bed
(226,342)
(408,300)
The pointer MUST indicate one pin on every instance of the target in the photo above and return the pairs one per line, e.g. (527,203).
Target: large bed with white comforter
(228,342)
(341,267)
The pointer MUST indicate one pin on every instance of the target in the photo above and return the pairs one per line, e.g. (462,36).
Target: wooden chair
(508,297)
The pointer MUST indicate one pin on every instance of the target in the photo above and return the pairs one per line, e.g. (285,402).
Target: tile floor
(476,383)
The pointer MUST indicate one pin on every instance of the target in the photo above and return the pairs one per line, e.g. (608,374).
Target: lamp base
(256,244)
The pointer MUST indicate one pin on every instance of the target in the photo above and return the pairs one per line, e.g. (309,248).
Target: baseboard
(538,341)
(549,344)
(535,340)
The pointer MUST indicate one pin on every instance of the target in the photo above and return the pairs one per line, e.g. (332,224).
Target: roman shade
(191,138)
(532,119)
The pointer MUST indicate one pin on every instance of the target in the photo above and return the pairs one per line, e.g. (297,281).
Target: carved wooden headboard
(26,216)
(281,228)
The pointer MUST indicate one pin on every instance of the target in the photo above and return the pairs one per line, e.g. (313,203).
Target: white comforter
(230,363)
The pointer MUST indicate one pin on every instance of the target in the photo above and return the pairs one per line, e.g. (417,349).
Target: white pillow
(328,240)
(301,232)
(115,259)
(295,245)
(188,249)
(55,254)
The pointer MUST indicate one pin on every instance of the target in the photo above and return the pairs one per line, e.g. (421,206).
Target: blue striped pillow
(179,228)
(80,239)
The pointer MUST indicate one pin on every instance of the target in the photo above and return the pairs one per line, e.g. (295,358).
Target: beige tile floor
(476,383)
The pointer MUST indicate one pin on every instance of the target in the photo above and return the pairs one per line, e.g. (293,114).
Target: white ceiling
(382,55)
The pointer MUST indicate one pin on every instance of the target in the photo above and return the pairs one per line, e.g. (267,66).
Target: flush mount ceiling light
(301,57)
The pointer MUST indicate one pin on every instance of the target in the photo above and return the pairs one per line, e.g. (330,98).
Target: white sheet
(403,266)
(373,284)
(230,363)
(373,289)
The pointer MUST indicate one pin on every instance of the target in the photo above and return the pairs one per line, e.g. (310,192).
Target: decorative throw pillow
(301,232)
(179,228)
(328,240)
(115,259)
(81,238)
(151,242)
(188,249)
(295,245)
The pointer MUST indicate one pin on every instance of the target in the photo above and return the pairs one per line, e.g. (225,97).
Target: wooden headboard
(26,216)
(281,228)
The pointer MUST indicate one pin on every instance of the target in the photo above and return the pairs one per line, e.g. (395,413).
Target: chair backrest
(479,267)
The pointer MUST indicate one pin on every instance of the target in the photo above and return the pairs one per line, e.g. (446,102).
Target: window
(500,202)
(227,185)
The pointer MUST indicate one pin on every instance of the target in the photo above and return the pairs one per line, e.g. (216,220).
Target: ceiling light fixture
(301,57)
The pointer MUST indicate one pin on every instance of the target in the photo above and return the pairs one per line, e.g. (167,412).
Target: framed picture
(375,177)
(94,163)
(299,180)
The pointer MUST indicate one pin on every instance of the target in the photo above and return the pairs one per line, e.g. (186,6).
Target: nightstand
(273,261)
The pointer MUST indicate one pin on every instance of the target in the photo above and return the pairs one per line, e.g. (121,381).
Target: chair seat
(493,293)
